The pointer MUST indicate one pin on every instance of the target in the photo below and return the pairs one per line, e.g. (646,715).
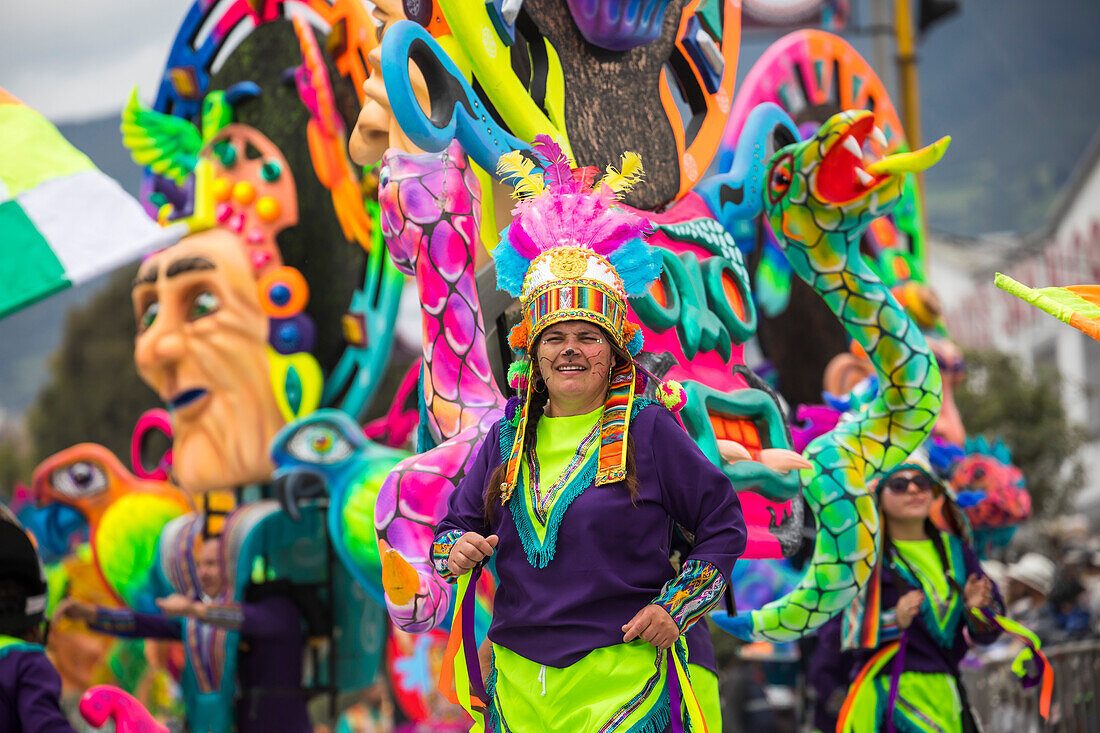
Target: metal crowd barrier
(1002,705)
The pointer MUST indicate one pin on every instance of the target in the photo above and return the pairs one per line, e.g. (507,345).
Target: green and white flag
(62,221)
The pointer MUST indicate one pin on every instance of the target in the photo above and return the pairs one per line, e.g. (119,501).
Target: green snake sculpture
(820,196)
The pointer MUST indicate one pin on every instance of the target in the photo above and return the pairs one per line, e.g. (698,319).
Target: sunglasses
(900,484)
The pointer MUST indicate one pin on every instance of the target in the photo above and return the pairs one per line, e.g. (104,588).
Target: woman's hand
(908,607)
(179,605)
(74,609)
(470,549)
(978,592)
(652,624)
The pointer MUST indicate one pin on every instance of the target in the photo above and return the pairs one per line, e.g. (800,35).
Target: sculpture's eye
(319,444)
(779,179)
(83,478)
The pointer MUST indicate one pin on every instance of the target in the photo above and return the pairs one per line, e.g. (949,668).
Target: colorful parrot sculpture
(125,514)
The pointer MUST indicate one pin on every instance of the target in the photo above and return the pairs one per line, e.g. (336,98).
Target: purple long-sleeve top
(269,666)
(30,692)
(612,556)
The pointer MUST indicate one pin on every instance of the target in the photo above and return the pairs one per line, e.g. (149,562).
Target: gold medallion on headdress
(568,264)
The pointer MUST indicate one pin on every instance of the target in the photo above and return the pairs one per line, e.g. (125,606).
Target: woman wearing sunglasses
(914,622)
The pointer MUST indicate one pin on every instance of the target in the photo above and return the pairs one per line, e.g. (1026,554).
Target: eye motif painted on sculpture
(779,179)
(83,478)
(319,444)
(148,316)
(203,305)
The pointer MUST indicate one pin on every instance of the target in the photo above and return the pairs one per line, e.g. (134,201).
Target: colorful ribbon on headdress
(614,426)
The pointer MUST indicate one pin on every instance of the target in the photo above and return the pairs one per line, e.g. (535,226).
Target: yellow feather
(631,174)
(527,183)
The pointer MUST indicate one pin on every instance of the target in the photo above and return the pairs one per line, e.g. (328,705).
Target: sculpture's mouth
(737,427)
(850,169)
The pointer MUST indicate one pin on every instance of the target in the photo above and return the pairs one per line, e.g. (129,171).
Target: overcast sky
(76,60)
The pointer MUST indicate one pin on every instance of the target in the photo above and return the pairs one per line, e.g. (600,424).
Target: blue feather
(638,265)
(511,266)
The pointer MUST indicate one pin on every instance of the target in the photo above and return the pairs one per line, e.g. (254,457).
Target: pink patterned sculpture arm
(431,210)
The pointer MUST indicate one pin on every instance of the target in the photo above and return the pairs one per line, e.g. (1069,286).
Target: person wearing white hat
(1030,580)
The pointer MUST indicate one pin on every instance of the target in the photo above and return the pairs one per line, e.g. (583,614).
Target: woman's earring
(540,386)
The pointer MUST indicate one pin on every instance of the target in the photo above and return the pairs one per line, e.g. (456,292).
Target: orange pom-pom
(519,337)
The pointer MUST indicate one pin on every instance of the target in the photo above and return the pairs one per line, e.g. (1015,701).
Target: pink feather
(557,168)
(564,217)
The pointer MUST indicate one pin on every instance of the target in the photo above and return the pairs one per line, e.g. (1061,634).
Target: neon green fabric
(9,644)
(556,443)
(705,684)
(34,150)
(927,703)
(621,688)
(922,558)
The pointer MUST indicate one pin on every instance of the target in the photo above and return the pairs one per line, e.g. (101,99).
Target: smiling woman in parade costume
(916,619)
(577,491)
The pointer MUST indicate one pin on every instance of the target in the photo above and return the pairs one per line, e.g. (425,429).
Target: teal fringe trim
(496,725)
(658,718)
(540,555)
(943,635)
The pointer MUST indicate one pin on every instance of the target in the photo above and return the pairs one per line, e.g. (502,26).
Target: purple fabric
(269,666)
(895,680)
(830,670)
(269,669)
(676,723)
(612,553)
(30,693)
(700,647)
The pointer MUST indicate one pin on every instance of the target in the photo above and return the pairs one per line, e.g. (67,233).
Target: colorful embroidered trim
(539,554)
(888,626)
(615,425)
(692,593)
(441,552)
(205,646)
(587,300)
(224,615)
(511,440)
(541,503)
(113,621)
(658,716)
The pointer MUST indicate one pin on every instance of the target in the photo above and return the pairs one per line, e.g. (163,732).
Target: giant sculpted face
(201,344)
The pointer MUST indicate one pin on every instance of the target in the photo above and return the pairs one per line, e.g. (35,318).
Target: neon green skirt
(927,703)
(622,688)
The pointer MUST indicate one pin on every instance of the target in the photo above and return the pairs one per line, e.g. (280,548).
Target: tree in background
(999,400)
(93,393)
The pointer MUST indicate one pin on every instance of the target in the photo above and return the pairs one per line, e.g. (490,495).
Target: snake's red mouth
(842,175)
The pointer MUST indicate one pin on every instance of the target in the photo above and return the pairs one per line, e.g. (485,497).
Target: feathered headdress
(572,253)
